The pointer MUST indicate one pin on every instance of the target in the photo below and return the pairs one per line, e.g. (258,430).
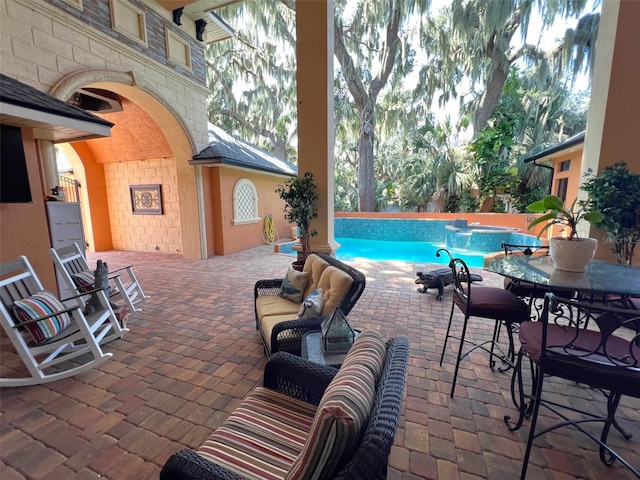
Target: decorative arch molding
(72,82)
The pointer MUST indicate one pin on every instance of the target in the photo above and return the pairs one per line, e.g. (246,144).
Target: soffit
(22,105)
(216,28)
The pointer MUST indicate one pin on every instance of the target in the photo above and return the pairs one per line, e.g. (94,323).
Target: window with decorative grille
(245,203)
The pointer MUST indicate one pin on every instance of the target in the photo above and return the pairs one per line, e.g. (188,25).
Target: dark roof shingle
(230,150)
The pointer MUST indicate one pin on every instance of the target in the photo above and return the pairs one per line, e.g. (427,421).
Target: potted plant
(299,195)
(569,253)
(615,193)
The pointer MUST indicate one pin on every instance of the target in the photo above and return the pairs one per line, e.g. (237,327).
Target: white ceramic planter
(572,255)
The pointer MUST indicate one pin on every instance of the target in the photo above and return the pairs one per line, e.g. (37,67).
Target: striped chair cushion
(40,305)
(84,280)
(262,437)
(369,350)
(337,428)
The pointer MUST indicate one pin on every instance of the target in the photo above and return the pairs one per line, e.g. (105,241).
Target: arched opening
(149,145)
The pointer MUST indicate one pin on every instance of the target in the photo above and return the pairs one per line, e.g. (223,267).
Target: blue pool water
(417,240)
(358,249)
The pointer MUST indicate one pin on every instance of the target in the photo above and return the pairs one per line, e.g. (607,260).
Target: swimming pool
(358,249)
(417,240)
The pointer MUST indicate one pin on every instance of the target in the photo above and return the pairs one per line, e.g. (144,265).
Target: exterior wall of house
(232,238)
(143,233)
(57,48)
(24,229)
(572,175)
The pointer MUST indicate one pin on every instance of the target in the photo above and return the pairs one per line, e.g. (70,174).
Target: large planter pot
(572,255)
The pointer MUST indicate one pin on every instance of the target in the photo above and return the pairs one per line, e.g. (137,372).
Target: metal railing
(71,188)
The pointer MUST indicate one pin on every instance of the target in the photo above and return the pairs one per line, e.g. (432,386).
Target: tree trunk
(490,99)
(366,177)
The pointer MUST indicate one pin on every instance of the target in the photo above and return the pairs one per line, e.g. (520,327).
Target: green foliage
(615,192)
(299,195)
(557,214)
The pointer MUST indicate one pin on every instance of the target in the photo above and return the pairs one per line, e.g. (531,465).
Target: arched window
(245,203)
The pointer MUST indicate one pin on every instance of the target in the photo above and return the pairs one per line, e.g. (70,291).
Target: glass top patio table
(599,277)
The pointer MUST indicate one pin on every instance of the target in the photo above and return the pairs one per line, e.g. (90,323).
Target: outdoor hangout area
(187,377)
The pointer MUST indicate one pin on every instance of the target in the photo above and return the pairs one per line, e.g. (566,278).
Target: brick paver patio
(193,353)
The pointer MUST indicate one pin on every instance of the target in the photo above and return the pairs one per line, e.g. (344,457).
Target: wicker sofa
(309,420)
(276,317)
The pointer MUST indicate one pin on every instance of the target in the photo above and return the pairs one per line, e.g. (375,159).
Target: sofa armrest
(270,286)
(287,336)
(188,465)
(297,377)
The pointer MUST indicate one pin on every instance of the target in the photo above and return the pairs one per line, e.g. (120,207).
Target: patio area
(193,353)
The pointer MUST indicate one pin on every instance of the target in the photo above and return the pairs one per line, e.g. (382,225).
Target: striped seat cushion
(40,305)
(342,416)
(262,437)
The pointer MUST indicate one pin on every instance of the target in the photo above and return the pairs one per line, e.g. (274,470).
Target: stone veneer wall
(96,13)
(143,232)
(44,42)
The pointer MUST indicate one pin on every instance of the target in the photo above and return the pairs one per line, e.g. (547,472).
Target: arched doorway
(149,146)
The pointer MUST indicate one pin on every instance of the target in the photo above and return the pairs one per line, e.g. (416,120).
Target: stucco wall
(137,232)
(233,238)
(23,226)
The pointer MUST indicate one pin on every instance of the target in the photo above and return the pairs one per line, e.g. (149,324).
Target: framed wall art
(146,199)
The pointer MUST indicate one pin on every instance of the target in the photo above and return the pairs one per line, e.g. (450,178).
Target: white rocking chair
(72,266)
(53,340)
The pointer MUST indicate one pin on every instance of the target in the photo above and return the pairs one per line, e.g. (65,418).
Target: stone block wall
(143,233)
(42,42)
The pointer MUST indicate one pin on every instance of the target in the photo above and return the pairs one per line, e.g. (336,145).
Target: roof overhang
(230,162)
(53,127)
(570,145)
(216,29)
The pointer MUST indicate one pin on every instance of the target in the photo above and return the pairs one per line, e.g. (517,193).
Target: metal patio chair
(605,356)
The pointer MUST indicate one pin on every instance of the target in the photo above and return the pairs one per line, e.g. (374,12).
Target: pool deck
(193,354)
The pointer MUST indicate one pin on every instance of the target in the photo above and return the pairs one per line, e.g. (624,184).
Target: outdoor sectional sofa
(276,317)
(309,420)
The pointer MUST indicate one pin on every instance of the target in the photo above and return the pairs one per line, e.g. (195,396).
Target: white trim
(123,9)
(176,44)
(246,221)
(75,4)
(245,182)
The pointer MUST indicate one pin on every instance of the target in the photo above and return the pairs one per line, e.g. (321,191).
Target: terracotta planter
(572,255)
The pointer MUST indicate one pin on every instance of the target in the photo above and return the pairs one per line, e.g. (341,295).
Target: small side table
(311,349)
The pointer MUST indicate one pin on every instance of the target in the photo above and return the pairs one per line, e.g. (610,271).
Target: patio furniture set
(310,420)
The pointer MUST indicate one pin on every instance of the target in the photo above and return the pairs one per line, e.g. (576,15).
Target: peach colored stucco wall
(143,232)
(232,238)
(96,208)
(573,174)
(23,226)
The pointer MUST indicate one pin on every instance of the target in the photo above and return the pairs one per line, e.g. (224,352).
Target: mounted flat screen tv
(14,179)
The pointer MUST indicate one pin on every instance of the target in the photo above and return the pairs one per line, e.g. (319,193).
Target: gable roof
(24,106)
(226,149)
(560,147)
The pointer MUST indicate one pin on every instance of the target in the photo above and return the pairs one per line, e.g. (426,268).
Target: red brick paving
(193,353)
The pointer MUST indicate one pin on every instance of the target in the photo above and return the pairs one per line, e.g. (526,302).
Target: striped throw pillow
(341,418)
(40,305)
(369,350)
